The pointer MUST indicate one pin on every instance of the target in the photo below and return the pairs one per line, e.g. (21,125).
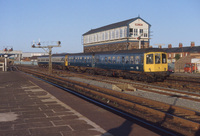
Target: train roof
(123,51)
(111,52)
(60,54)
(132,51)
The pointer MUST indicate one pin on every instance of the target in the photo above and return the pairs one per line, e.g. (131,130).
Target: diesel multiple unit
(139,64)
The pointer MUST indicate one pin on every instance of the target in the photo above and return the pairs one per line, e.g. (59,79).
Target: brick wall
(115,46)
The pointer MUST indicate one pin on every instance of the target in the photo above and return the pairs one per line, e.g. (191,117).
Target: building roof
(114,25)
(183,49)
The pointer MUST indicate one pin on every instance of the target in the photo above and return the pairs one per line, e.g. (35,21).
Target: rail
(162,115)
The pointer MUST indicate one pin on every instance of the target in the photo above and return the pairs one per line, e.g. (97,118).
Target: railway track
(173,118)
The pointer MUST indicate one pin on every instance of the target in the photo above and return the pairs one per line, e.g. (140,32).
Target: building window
(125,32)
(130,32)
(110,35)
(113,34)
(90,38)
(170,55)
(102,36)
(94,38)
(141,31)
(117,34)
(135,32)
(98,37)
(145,33)
(106,35)
(121,33)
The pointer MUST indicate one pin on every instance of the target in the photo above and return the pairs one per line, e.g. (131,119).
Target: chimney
(180,45)
(150,47)
(160,46)
(169,45)
(192,44)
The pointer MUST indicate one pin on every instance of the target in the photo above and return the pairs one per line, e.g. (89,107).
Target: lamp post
(6,50)
(47,49)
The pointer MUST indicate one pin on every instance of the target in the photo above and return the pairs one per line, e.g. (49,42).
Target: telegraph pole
(47,49)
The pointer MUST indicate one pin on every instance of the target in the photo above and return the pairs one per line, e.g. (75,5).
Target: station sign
(138,24)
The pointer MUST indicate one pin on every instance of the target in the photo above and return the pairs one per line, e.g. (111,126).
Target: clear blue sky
(22,21)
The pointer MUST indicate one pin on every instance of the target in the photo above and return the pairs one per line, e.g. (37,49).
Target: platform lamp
(47,49)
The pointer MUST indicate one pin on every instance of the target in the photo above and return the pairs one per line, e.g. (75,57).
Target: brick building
(125,35)
(182,51)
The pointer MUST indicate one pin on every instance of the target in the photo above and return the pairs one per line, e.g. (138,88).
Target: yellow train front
(156,64)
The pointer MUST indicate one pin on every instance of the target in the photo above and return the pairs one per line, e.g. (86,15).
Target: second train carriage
(142,64)
(59,61)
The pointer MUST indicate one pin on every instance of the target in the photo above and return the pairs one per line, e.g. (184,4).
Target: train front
(156,64)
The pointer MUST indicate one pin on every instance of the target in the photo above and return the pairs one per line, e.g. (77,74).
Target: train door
(66,60)
(149,62)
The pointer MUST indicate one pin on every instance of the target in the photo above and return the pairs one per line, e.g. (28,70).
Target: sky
(22,21)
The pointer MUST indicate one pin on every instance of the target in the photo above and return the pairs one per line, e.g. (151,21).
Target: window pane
(157,58)
(137,59)
(135,32)
(149,59)
(164,58)
(132,59)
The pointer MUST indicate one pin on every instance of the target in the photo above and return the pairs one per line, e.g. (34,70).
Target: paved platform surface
(28,110)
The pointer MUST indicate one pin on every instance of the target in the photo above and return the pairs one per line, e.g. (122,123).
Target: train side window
(106,59)
(97,59)
(132,59)
(164,58)
(157,58)
(127,59)
(137,59)
(113,59)
(149,59)
(109,59)
(118,59)
(142,59)
(123,60)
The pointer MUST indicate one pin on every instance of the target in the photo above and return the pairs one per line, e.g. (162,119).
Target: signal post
(47,49)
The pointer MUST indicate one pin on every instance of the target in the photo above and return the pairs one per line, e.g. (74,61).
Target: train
(139,64)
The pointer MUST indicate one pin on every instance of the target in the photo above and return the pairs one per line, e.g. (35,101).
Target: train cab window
(132,59)
(164,58)
(157,58)
(149,59)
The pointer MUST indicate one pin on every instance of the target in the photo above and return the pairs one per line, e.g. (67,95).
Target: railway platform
(31,107)
(28,110)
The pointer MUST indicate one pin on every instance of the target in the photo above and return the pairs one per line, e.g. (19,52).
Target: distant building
(187,55)
(182,51)
(125,35)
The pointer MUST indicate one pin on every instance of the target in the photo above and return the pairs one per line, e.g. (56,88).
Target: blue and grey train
(139,64)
